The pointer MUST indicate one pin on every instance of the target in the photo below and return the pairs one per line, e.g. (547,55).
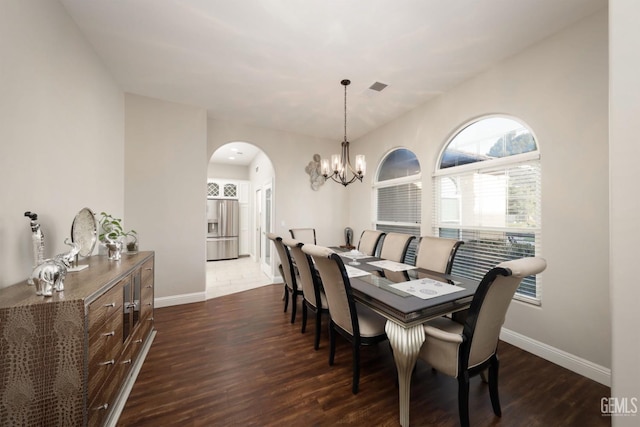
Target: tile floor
(236,275)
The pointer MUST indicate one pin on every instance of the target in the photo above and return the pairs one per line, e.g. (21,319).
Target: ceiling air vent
(377,86)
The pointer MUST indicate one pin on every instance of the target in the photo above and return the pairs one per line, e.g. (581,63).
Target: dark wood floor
(237,361)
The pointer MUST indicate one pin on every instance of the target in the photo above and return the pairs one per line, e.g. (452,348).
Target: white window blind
(398,196)
(496,212)
(487,193)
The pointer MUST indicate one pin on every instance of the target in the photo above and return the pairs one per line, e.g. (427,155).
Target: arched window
(487,192)
(398,195)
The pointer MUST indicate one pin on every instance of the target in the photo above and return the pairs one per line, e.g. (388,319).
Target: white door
(257,240)
(266,227)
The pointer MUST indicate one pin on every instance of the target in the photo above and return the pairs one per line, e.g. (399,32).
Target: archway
(241,171)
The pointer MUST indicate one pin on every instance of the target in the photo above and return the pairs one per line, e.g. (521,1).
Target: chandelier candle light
(340,165)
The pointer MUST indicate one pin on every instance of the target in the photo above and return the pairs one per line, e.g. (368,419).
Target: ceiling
(279,63)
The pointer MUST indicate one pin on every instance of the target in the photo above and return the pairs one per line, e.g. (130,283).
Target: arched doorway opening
(241,176)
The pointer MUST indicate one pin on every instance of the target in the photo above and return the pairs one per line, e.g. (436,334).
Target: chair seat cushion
(371,323)
(441,345)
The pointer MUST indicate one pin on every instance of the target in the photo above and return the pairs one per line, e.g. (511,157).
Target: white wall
(296,204)
(61,131)
(624,152)
(165,192)
(221,170)
(559,88)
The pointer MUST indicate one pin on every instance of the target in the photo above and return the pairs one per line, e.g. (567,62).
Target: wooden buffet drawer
(105,346)
(146,302)
(104,398)
(147,274)
(107,304)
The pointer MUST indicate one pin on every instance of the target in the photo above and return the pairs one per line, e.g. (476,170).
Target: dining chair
(395,245)
(289,275)
(304,235)
(466,350)
(369,240)
(437,253)
(313,296)
(357,323)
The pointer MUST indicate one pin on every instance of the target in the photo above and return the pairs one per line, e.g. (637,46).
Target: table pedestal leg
(406,343)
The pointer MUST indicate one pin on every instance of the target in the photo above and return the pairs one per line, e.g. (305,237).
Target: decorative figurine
(50,274)
(37,239)
(348,238)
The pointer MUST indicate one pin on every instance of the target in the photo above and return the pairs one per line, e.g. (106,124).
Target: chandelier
(340,169)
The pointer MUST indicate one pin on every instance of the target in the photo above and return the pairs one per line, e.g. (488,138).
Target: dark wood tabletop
(373,290)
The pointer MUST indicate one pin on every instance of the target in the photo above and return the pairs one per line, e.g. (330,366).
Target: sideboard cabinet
(71,359)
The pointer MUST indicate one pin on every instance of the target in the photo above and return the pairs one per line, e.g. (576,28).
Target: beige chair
(289,275)
(304,235)
(357,323)
(369,240)
(312,292)
(463,351)
(437,253)
(395,245)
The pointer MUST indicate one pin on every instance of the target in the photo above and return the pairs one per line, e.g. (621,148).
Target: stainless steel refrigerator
(222,229)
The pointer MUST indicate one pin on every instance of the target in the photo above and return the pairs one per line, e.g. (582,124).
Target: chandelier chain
(345,111)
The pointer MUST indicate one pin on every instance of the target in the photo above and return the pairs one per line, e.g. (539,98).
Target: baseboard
(180,299)
(569,361)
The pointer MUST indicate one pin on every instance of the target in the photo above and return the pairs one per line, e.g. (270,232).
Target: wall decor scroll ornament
(37,241)
(315,173)
(50,274)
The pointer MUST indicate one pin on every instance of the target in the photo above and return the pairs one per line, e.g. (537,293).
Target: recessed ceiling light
(231,158)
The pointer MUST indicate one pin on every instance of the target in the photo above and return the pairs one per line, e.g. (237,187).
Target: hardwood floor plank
(236,360)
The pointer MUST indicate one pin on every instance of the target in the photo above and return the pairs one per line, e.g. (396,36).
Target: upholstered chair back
(395,245)
(304,235)
(336,286)
(437,253)
(369,240)
(285,260)
(490,304)
(305,270)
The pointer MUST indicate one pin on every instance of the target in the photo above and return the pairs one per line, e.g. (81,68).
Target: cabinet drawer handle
(126,362)
(109,334)
(149,303)
(111,304)
(150,319)
(149,286)
(139,340)
(148,269)
(101,407)
(108,362)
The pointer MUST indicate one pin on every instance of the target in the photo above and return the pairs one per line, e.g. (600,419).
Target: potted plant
(113,236)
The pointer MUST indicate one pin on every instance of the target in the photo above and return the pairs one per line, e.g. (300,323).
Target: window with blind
(398,196)
(487,192)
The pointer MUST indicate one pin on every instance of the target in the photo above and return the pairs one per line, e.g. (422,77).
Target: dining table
(407,297)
